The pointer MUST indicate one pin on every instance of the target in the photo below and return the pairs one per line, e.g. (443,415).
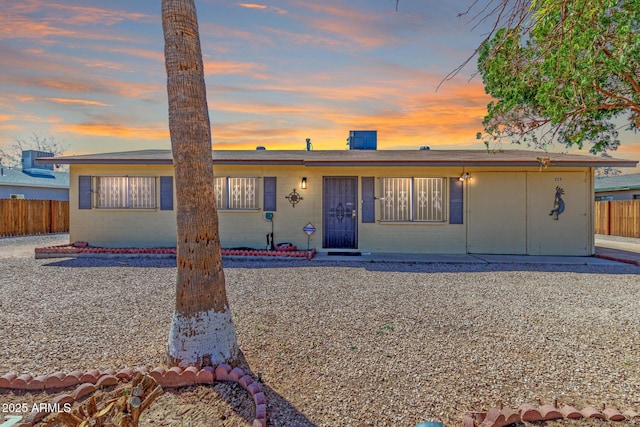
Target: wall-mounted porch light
(465,176)
(303,183)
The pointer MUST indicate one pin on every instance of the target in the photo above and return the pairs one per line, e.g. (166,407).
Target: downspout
(591,205)
(465,213)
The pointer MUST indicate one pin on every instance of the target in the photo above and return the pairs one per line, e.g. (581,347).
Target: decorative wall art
(558,204)
(294,198)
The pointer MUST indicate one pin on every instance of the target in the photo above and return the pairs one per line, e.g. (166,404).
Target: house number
(557,179)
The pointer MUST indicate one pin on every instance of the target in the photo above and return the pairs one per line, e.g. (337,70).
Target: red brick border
(86,383)
(500,417)
(79,249)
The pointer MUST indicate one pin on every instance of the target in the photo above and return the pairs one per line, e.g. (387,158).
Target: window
(125,192)
(236,193)
(412,199)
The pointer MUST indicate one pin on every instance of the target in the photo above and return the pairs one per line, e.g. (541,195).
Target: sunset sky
(91,74)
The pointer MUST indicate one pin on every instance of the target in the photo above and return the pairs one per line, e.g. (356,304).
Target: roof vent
(425,148)
(260,147)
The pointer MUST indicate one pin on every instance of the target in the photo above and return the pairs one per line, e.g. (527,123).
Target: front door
(340,215)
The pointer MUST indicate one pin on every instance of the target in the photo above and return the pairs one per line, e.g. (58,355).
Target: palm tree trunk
(202,330)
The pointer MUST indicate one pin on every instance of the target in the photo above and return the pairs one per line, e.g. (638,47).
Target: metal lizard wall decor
(558,204)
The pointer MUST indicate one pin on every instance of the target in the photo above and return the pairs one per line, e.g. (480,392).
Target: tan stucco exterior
(509,212)
(506,211)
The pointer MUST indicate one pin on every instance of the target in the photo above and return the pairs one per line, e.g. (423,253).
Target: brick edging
(81,249)
(500,417)
(617,258)
(86,383)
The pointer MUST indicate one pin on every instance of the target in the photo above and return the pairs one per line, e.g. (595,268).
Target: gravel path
(381,344)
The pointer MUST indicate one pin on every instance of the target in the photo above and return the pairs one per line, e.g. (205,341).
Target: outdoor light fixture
(303,183)
(465,176)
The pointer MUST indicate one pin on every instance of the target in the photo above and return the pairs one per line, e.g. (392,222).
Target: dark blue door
(340,214)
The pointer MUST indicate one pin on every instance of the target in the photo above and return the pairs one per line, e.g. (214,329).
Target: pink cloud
(231,67)
(262,7)
(77,101)
(58,20)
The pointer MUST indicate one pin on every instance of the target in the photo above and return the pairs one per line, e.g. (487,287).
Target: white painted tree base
(208,333)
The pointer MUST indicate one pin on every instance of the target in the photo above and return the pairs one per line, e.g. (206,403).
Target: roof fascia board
(15,184)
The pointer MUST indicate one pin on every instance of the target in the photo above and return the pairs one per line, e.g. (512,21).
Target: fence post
(608,222)
(52,218)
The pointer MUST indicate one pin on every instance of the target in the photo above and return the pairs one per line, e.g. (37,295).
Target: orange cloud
(22,27)
(262,7)
(62,21)
(77,101)
(252,6)
(154,55)
(76,85)
(9,127)
(230,67)
(261,108)
(114,131)
(349,24)
(404,117)
(225,36)
(311,39)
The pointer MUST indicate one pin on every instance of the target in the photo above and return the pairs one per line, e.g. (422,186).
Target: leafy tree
(13,155)
(202,330)
(565,71)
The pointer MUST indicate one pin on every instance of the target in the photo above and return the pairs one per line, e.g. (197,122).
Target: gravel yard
(341,344)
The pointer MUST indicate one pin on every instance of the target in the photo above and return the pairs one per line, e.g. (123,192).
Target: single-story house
(618,187)
(366,200)
(34,180)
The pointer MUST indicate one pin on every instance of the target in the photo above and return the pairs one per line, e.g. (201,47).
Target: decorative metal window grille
(396,203)
(428,199)
(412,199)
(236,193)
(220,189)
(125,192)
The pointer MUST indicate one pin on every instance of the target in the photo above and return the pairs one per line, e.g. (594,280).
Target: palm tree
(202,330)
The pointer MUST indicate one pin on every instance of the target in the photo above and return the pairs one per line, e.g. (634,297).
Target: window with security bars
(236,193)
(412,199)
(125,192)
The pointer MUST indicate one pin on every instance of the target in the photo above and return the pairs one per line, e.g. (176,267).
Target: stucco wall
(120,227)
(506,211)
(509,212)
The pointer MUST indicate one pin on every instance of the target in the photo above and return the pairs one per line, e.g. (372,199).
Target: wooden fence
(22,217)
(618,218)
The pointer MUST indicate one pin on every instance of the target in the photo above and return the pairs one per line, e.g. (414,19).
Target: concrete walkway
(609,251)
(621,249)
(471,259)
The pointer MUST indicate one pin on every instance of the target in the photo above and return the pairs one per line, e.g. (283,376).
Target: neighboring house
(366,200)
(34,180)
(619,187)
